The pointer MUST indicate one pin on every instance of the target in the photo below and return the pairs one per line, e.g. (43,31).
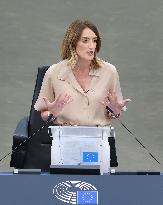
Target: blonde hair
(72,36)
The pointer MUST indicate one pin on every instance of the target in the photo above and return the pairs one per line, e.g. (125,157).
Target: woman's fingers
(112,96)
(115,96)
(58,99)
(111,100)
(69,99)
(65,99)
(59,103)
(105,101)
(126,101)
(46,101)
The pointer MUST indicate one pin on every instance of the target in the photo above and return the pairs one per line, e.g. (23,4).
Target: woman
(78,89)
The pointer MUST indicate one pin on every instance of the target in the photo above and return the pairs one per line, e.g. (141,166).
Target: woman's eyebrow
(85,37)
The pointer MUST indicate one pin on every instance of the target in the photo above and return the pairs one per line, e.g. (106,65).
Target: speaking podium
(80,150)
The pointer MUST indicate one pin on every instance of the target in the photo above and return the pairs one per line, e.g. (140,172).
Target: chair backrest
(39,147)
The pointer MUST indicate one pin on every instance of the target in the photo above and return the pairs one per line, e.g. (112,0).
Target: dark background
(31,33)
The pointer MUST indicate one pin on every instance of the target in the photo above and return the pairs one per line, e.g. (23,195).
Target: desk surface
(113,190)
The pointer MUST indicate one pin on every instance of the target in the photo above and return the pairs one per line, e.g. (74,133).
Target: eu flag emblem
(90,156)
(87,197)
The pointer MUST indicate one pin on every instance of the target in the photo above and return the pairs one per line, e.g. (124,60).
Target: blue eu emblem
(90,156)
(87,197)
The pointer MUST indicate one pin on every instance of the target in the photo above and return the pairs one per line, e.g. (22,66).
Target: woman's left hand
(112,102)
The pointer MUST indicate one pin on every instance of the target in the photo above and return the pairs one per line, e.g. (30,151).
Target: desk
(32,189)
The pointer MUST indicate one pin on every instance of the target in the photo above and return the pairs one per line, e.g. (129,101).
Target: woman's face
(86,45)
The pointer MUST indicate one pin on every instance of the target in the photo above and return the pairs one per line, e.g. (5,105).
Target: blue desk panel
(38,189)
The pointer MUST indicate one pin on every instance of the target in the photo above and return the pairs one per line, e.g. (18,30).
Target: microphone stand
(135,137)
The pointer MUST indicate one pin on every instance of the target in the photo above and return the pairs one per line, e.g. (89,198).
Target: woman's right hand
(58,104)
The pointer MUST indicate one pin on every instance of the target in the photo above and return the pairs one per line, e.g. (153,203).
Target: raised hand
(57,106)
(112,102)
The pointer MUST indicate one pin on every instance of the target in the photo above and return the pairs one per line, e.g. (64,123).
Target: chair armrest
(19,146)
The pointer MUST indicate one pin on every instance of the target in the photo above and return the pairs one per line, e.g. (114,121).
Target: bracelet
(53,118)
(111,115)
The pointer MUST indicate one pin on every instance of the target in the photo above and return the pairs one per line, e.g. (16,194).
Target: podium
(80,150)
